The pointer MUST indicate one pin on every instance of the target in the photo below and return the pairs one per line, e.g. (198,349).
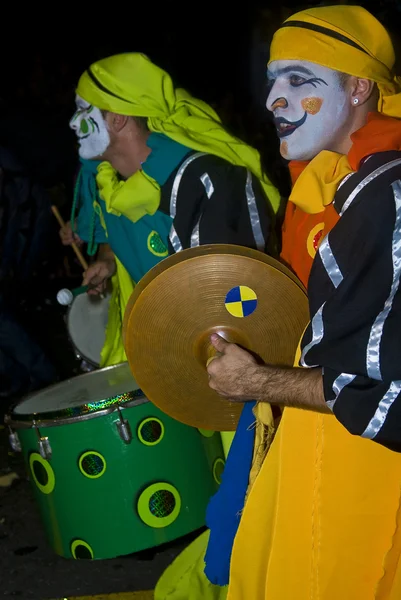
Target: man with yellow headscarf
(322,518)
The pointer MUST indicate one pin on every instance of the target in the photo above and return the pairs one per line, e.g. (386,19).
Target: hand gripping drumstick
(77,251)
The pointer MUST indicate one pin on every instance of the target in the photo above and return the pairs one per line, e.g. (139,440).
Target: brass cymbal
(246,296)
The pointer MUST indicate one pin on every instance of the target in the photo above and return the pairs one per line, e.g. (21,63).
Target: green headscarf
(131,85)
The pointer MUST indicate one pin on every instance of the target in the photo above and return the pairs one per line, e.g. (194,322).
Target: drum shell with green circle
(96,494)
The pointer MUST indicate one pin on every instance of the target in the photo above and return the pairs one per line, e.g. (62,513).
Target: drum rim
(78,353)
(82,412)
(30,422)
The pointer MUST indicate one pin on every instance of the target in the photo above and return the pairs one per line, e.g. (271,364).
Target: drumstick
(77,251)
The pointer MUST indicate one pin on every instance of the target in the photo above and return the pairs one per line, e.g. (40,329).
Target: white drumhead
(86,323)
(78,391)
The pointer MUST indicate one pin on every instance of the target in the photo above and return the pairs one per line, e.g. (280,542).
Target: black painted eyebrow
(290,69)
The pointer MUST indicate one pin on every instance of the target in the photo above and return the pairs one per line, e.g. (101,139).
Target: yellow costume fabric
(130,84)
(322,519)
(113,351)
(185,579)
(122,285)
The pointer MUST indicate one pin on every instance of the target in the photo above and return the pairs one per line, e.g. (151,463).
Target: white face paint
(91,130)
(309,106)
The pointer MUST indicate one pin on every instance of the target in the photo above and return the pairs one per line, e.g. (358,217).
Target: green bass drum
(111,473)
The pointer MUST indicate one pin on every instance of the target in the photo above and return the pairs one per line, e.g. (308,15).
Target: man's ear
(361,90)
(116,122)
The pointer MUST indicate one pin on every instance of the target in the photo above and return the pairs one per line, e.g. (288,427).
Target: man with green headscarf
(163,151)
(170,177)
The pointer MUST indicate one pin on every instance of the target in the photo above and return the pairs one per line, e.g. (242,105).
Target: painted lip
(285,128)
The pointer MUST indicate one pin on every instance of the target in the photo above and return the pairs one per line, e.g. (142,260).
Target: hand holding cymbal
(243,295)
(235,376)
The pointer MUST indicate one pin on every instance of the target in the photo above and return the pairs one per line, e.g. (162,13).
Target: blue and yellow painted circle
(241,301)
(42,473)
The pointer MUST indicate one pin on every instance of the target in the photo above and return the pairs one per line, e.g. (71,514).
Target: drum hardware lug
(14,441)
(45,450)
(124,428)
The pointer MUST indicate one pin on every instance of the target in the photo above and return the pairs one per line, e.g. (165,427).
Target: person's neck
(360,119)
(130,156)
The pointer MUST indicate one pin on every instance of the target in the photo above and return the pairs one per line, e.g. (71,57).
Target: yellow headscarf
(350,40)
(130,84)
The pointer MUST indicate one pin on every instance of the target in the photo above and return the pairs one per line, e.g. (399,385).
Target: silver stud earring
(356,100)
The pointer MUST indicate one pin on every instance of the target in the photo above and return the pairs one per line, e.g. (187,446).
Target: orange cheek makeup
(312,105)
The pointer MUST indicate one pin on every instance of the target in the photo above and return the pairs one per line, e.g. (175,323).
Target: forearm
(105,253)
(101,270)
(295,387)
(236,375)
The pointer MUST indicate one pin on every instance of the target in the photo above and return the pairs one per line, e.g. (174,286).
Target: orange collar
(379,134)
